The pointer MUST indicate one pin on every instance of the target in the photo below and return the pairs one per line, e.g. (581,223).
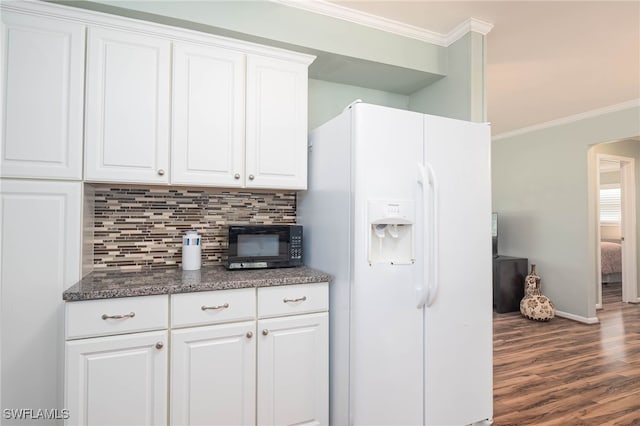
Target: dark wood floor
(566,373)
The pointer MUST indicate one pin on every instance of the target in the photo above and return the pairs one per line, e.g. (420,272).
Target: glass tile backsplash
(142,227)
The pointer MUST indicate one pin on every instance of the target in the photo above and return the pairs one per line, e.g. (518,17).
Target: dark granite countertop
(110,284)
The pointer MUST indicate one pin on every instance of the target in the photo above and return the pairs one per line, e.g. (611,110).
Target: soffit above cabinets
(372,75)
(347,52)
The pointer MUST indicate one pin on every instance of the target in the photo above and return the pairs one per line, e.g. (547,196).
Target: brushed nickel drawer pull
(299,299)
(225,306)
(129,315)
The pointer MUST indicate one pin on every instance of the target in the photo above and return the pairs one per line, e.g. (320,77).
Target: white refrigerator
(398,210)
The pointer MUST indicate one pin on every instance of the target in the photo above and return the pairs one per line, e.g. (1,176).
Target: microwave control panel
(295,247)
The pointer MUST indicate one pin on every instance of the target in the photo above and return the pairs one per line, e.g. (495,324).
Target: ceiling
(546,60)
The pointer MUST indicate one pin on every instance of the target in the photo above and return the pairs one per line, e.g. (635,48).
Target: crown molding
(388,25)
(569,119)
(471,24)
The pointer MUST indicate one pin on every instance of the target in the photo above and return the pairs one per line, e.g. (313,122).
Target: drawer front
(292,299)
(212,307)
(116,316)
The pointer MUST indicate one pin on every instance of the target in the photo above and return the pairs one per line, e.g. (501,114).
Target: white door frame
(629,256)
(628,228)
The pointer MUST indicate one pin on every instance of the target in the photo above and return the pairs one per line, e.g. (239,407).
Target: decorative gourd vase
(534,305)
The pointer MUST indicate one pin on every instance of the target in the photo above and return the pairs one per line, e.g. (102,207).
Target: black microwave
(264,246)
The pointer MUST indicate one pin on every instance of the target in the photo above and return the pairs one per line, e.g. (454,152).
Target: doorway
(616,231)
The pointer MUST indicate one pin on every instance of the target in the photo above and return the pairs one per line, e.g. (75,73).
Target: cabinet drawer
(211,307)
(116,316)
(292,299)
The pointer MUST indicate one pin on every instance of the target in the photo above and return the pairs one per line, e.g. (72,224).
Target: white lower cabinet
(118,380)
(235,357)
(116,355)
(213,358)
(293,370)
(213,374)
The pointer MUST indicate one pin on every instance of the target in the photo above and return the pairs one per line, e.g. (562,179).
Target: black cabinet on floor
(508,282)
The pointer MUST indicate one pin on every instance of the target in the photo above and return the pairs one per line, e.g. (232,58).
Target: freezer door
(458,324)
(386,356)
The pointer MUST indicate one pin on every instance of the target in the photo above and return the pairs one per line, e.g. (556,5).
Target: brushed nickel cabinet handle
(299,299)
(251,177)
(236,176)
(129,315)
(214,308)
(161,172)
(159,345)
(265,332)
(249,334)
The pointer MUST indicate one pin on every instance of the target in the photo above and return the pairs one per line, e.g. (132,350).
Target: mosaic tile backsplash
(142,227)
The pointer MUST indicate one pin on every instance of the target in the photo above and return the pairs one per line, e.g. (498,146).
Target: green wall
(326,100)
(461,93)
(276,24)
(541,190)
(447,81)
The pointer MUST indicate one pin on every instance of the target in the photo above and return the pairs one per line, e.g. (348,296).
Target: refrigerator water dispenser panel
(391,231)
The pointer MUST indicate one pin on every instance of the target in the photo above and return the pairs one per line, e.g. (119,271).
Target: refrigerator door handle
(422,289)
(427,289)
(434,282)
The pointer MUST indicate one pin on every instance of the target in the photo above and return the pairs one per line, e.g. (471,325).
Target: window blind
(610,205)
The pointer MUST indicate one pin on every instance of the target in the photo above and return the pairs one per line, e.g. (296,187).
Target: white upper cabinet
(147,103)
(276,129)
(208,116)
(128,101)
(43,82)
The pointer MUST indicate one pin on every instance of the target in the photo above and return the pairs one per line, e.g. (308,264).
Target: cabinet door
(207,146)
(43,87)
(213,375)
(276,138)
(293,370)
(40,258)
(127,117)
(118,380)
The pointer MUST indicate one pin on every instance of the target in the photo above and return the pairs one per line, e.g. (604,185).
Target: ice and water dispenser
(391,232)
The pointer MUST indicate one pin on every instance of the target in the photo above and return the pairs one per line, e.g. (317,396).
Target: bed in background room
(611,261)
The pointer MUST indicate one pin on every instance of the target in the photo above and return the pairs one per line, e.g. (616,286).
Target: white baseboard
(584,320)
(598,306)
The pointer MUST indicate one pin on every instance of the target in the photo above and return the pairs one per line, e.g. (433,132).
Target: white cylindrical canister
(191,251)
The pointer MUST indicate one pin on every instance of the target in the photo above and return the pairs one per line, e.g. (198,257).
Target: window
(610,204)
